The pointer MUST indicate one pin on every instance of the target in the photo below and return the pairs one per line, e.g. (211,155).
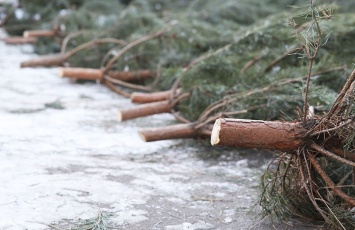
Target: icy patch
(64,157)
(191,226)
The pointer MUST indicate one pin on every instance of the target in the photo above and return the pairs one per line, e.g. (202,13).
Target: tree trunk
(131,75)
(150,97)
(275,135)
(172,132)
(47,60)
(39,33)
(144,110)
(18,40)
(97,74)
(81,73)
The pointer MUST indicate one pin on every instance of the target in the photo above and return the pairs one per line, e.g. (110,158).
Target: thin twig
(332,155)
(251,63)
(203,57)
(130,46)
(178,117)
(311,58)
(332,129)
(70,36)
(309,193)
(115,89)
(348,85)
(127,84)
(93,43)
(329,181)
(179,98)
(277,60)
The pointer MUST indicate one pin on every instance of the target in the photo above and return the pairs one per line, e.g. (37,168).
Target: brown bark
(97,74)
(115,89)
(172,132)
(144,110)
(131,75)
(39,33)
(81,73)
(350,200)
(19,40)
(47,60)
(150,97)
(275,135)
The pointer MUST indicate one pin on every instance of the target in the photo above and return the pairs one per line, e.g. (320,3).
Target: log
(150,97)
(97,74)
(168,132)
(19,40)
(81,73)
(173,132)
(144,110)
(47,60)
(131,75)
(38,33)
(275,135)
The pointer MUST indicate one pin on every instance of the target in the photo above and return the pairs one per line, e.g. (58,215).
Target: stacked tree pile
(32,19)
(314,178)
(186,36)
(260,76)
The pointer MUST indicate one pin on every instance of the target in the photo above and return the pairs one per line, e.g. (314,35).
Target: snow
(62,164)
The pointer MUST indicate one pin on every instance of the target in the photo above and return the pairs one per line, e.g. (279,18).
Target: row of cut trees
(216,64)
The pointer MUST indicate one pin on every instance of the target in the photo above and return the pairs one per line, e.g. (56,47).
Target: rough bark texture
(97,74)
(38,33)
(173,132)
(150,97)
(81,73)
(131,75)
(275,135)
(115,89)
(168,132)
(144,110)
(18,40)
(48,60)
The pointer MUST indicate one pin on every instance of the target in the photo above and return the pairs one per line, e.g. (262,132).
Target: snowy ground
(65,158)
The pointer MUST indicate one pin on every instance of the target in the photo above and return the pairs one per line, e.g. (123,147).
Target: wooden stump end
(215,132)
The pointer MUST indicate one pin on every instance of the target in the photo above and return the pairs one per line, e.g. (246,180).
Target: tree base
(144,110)
(276,135)
(172,132)
(47,60)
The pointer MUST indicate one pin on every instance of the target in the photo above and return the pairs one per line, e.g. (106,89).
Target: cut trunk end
(275,135)
(144,110)
(19,40)
(215,132)
(48,60)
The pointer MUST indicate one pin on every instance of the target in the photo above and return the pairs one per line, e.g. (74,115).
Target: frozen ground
(65,158)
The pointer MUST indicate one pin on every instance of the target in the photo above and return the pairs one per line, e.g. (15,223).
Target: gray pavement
(64,158)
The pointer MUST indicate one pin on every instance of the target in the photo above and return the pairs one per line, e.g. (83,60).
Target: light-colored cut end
(26,34)
(215,132)
(61,72)
(141,134)
(133,97)
(119,116)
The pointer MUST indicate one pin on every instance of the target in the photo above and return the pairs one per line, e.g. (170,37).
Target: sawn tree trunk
(275,135)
